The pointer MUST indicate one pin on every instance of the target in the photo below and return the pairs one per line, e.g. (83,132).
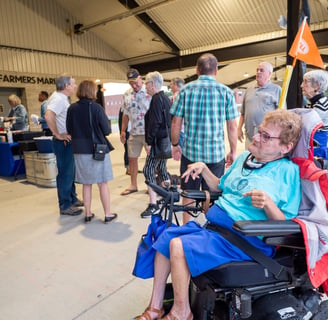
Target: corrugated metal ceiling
(192,25)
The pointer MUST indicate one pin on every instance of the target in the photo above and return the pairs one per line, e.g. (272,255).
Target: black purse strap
(90,119)
(163,110)
(279,271)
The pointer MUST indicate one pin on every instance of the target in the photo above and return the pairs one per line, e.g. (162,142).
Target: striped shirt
(204,105)
(320,104)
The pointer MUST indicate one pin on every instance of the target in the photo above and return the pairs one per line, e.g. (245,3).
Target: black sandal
(111,218)
(88,219)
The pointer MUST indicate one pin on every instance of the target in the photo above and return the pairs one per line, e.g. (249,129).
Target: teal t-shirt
(280,179)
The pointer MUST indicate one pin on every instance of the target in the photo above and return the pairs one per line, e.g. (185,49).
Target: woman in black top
(155,128)
(88,170)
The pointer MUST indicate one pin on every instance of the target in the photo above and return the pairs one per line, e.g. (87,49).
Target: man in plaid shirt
(204,105)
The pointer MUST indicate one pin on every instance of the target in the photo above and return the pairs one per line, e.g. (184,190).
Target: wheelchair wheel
(322,314)
(221,311)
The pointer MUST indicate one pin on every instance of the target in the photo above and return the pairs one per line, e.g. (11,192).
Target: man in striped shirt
(204,106)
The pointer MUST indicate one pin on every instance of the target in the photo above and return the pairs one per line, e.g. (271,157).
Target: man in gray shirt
(257,101)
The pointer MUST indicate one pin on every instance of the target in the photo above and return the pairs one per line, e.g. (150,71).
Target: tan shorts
(135,145)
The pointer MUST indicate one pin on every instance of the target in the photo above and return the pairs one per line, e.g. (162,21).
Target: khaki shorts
(135,145)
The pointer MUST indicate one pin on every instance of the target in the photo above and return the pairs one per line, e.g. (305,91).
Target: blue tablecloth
(11,160)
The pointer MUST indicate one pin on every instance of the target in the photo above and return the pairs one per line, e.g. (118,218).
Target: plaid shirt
(204,105)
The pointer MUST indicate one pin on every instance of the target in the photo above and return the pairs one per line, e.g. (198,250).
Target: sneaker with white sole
(78,203)
(151,209)
(71,211)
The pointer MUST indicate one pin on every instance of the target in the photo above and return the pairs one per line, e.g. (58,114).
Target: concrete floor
(55,268)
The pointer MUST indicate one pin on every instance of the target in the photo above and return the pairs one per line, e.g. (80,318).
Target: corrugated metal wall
(36,37)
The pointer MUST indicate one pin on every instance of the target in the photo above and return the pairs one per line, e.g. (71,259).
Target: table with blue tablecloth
(11,160)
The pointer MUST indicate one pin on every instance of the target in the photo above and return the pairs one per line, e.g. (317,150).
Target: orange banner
(304,47)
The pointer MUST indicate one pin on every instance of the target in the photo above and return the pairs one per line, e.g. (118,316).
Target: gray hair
(319,78)
(207,64)
(156,78)
(178,81)
(62,81)
(267,65)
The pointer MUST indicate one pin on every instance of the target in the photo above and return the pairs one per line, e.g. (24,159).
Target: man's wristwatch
(175,144)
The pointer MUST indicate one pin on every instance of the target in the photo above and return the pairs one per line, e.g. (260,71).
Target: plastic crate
(44,144)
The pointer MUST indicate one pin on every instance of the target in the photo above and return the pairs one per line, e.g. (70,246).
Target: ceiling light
(246,75)
(282,22)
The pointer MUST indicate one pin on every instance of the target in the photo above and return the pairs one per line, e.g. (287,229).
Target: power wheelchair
(249,290)
(256,290)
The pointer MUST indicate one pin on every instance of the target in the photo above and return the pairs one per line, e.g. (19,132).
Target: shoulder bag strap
(163,110)
(90,119)
(278,270)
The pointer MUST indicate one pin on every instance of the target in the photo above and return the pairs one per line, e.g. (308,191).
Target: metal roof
(152,31)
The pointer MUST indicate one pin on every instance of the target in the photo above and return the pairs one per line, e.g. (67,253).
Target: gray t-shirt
(257,101)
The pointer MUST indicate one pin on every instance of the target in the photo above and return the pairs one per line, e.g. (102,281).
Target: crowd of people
(254,185)
(195,115)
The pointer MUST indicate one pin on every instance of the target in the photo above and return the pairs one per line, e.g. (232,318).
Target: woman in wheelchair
(261,184)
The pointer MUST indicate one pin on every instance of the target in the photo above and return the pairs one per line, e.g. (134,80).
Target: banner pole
(285,85)
(289,72)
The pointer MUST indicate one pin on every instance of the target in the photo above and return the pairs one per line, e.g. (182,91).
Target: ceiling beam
(324,58)
(148,21)
(229,54)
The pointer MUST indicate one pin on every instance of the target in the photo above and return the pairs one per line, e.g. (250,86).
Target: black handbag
(162,146)
(99,149)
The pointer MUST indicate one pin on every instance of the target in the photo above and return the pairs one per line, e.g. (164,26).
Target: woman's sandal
(87,219)
(171,316)
(110,218)
(146,314)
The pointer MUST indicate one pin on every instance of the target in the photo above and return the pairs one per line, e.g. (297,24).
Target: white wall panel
(43,32)
(49,64)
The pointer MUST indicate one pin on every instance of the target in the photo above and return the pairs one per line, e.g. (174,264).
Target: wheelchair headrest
(311,122)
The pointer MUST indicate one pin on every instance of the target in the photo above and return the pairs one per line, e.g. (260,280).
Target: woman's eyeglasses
(265,137)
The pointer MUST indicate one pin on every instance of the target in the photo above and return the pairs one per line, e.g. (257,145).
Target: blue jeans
(66,173)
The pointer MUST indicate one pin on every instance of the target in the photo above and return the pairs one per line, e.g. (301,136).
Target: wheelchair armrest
(200,195)
(295,240)
(267,228)
(166,194)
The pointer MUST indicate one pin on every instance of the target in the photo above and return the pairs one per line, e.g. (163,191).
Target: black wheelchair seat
(244,273)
